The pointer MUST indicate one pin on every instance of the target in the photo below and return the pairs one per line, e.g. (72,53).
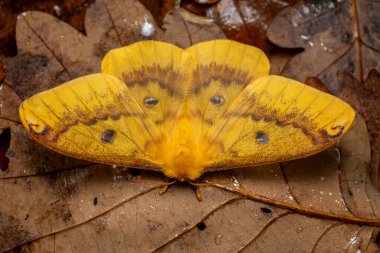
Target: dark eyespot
(150,101)
(108,136)
(217,100)
(261,137)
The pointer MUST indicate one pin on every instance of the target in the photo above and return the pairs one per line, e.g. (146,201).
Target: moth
(185,112)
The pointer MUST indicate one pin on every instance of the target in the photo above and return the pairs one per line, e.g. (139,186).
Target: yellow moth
(185,112)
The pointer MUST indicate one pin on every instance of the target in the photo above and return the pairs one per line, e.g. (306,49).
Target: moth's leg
(169,182)
(197,192)
(196,189)
(163,189)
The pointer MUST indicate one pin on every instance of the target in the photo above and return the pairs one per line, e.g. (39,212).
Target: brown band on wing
(205,74)
(168,79)
(281,119)
(318,136)
(68,121)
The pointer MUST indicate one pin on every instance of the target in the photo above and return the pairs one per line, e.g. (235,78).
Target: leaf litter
(50,201)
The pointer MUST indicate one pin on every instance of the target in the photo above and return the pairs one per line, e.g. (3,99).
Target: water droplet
(305,37)
(117,178)
(330,5)
(299,229)
(235,182)
(321,192)
(305,9)
(57,10)
(353,240)
(323,179)
(147,28)
(311,43)
(218,239)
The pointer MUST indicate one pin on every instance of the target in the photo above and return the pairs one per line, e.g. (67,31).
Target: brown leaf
(10,101)
(185,29)
(317,83)
(365,98)
(71,11)
(245,21)
(49,201)
(337,36)
(159,9)
(2,72)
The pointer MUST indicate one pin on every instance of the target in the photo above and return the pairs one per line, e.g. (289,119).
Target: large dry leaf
(337,36)
(54,203)
(71,11)
(242,20)
(365,98)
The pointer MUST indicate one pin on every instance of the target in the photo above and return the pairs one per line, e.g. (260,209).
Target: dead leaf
(185,29)
(337,36)
(365,98)
(317,83)
(2,72)
(71,11)
(159,9)
(51,202)
(244,21)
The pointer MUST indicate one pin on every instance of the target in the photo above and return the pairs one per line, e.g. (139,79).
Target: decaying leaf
(185,29)
(337,36)
(242,20)
(54,203)
(317,83)
(71,11)
(2,72)
(365,98)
